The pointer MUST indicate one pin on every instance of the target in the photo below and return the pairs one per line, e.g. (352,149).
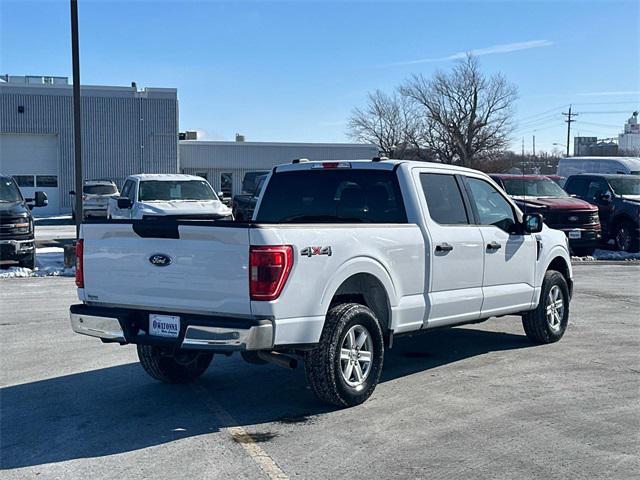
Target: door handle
(444,247)
(494,246)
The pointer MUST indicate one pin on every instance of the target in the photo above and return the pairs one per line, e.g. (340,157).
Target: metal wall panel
(123,132)
(237,158)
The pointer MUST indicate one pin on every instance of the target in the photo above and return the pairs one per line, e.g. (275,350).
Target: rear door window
(444,199)
(333,196)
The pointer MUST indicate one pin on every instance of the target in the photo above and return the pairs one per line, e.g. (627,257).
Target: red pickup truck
(540,194)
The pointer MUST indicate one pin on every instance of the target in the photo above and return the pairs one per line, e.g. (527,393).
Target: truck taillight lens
(80,263)
(269,268)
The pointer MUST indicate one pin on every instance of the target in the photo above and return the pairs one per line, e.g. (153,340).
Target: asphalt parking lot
(470,402)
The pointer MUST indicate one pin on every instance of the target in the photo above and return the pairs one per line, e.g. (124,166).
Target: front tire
(178,367)
(548,322)
(345,367)
(626,237)
(29,262)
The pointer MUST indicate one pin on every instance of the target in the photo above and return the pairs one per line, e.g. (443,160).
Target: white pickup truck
(168,195)
(339,258)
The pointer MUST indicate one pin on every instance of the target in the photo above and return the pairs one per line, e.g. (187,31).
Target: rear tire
(548,322)
(179,367)
(345,366)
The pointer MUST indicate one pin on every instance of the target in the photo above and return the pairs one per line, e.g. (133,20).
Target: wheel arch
(560,264)
(363,281)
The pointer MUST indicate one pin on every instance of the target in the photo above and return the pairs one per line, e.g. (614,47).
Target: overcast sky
(278,71)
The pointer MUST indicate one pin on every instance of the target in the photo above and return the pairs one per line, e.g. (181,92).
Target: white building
(124,131)
(224,164)
(629,141)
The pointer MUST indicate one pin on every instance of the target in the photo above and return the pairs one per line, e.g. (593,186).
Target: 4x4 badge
(311,251)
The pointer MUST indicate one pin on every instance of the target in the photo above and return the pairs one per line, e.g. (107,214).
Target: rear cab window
(332,196)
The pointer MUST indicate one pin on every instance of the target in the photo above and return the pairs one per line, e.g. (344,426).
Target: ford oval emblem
(160,260)
(573,218)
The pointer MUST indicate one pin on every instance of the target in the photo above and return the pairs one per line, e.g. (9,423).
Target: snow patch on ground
(49,263)
(608,255)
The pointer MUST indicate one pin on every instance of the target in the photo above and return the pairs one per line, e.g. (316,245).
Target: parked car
(250,181)
(95,198)
(577,218)
(162,195)
(243,205)
(341,257)
(576,165)
(618,200)
(17,241)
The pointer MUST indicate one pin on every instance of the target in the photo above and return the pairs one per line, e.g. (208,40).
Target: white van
(574,165)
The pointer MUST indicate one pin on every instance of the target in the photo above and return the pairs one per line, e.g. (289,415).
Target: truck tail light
(80,263)
(269,268)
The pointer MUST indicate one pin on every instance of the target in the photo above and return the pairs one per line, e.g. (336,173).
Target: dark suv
(618,200)
(540,194)
(16,223)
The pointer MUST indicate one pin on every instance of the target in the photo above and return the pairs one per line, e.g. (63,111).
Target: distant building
(582,145)
(224,164)
(629,141)
(124,131)
(594,147)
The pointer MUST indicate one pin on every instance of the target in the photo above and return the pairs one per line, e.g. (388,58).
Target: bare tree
(467,115)
(390,122)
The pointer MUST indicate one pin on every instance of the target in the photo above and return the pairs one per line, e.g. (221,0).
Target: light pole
(77,140)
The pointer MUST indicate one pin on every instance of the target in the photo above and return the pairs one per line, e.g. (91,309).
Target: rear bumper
(200,332)
(94,211)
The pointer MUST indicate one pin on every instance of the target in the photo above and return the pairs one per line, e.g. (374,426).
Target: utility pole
(534,145)
(569,121)
(522,146)
(77,140)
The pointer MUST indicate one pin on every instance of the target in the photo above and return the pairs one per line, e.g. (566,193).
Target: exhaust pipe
(279,359)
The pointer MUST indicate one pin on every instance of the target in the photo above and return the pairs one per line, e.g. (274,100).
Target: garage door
(33,161)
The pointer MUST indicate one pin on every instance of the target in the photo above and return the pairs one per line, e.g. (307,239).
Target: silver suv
(95,197)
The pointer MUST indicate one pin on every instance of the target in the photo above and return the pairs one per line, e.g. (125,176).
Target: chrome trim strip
(101,327)
(259,337)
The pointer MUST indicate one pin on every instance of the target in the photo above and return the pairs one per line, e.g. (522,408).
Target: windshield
(9,191)
(625,186)
(99,189)
(542,187)
(151,190)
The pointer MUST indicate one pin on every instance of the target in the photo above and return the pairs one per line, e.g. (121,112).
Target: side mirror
(72,192)
(41,199)
(605,197)
(124,202)
(532,223)
(221,194)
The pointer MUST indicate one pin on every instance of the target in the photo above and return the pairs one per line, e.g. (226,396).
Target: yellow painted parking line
(244,438)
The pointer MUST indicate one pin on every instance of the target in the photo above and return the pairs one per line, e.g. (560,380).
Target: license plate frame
(167,326)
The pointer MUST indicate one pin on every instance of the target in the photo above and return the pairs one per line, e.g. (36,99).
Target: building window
(226,184)
(46,181)
(24,180)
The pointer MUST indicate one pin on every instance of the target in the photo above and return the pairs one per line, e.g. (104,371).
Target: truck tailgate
(173,267)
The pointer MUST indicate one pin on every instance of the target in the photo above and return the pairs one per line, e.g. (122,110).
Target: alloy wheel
(555,308)
(356,356)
